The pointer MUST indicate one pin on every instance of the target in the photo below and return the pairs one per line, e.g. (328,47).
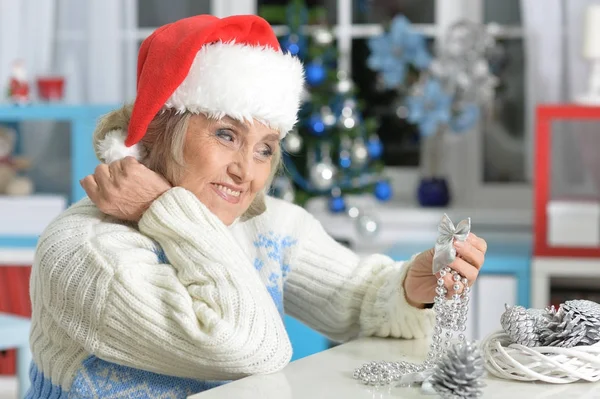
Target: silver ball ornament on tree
(348,118)
(366,225)
(359,154)
(327,117)
(460,372)
(575,323)
(322,175)
(344,84)
(292,143)
(322,36)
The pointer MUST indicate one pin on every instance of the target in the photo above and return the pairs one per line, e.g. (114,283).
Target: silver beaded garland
(450,317)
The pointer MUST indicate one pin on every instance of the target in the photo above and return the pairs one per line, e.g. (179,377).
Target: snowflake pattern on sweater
(101,379)
(274,250)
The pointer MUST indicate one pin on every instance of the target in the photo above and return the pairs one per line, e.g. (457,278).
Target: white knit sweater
(180,294)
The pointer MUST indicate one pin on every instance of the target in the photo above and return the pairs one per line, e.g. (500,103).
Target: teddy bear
(11,183)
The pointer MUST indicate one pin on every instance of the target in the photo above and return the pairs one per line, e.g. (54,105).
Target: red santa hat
(231,66)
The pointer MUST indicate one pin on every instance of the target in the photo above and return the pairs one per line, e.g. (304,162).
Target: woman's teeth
(228,191)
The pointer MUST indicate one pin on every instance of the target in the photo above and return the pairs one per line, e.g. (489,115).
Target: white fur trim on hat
(244,83)
(112,148)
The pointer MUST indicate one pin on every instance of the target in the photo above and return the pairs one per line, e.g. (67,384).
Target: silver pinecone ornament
(459,373)
(522,325)
(575,323)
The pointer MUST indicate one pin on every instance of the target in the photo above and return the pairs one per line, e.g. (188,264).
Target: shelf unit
(550,262)
(82,118)
(26,217)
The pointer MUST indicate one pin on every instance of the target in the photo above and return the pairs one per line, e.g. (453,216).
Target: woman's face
(227,163)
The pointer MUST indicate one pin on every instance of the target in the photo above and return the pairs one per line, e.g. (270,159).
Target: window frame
(465,165)
(469,188)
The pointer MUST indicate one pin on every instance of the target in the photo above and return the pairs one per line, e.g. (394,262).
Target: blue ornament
(337,204)
(315,73)
(345,160)
(374,148)
(317,127)
(292,48)
(383,190)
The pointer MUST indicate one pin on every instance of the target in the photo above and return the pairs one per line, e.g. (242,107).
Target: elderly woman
(174,274)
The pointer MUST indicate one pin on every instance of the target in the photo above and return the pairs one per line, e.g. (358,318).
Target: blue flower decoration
(393,52)
(430,109)
(466,118)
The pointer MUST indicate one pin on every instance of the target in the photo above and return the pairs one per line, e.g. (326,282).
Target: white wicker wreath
(550,364)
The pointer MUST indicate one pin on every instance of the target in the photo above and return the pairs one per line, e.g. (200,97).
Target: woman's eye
(266,151)
(225,134)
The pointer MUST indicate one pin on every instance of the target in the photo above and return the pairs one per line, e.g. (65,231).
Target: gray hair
(163,143)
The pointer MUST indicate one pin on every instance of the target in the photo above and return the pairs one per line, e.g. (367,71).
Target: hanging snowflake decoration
(462,64)
(392,53)
(429,107)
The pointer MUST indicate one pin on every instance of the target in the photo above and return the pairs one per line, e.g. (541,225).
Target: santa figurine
(18,90)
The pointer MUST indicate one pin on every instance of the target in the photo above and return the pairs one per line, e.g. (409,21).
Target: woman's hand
(124,189)
(420,283)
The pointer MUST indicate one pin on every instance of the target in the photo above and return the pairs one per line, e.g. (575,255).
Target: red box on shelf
(546,115)
(14,299)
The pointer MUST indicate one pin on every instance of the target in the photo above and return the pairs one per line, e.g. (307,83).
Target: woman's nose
(241,169)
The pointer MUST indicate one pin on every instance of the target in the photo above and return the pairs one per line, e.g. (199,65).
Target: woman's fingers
(467,251)
(477,242)
(90,186)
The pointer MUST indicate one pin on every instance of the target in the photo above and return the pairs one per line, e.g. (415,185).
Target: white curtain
(581,149)
(82,41)
(543,33)
(27,30)
(557,73)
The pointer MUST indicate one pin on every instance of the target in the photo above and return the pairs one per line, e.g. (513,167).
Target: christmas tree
(333,151)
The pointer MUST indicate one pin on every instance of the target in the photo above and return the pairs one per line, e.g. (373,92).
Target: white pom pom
(112,147)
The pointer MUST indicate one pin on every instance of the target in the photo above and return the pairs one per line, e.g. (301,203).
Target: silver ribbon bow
(444,252)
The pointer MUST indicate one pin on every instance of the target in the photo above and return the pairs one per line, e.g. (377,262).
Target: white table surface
(329,375)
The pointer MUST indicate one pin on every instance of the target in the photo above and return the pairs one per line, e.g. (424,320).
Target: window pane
(505,12)
(376,11)
(574,171)
(504,130)
(274,10)
(400,139)
(155,13)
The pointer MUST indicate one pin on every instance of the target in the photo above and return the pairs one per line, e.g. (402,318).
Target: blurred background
(414,108)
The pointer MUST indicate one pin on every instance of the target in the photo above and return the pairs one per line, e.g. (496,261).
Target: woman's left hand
(420,282)
(124,189)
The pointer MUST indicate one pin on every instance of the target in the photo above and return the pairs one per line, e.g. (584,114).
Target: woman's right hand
(124,189)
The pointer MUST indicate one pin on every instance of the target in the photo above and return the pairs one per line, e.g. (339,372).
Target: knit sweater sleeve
(342,295)
(205,314)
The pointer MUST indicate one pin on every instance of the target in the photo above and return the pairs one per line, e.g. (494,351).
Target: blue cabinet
(82,118)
